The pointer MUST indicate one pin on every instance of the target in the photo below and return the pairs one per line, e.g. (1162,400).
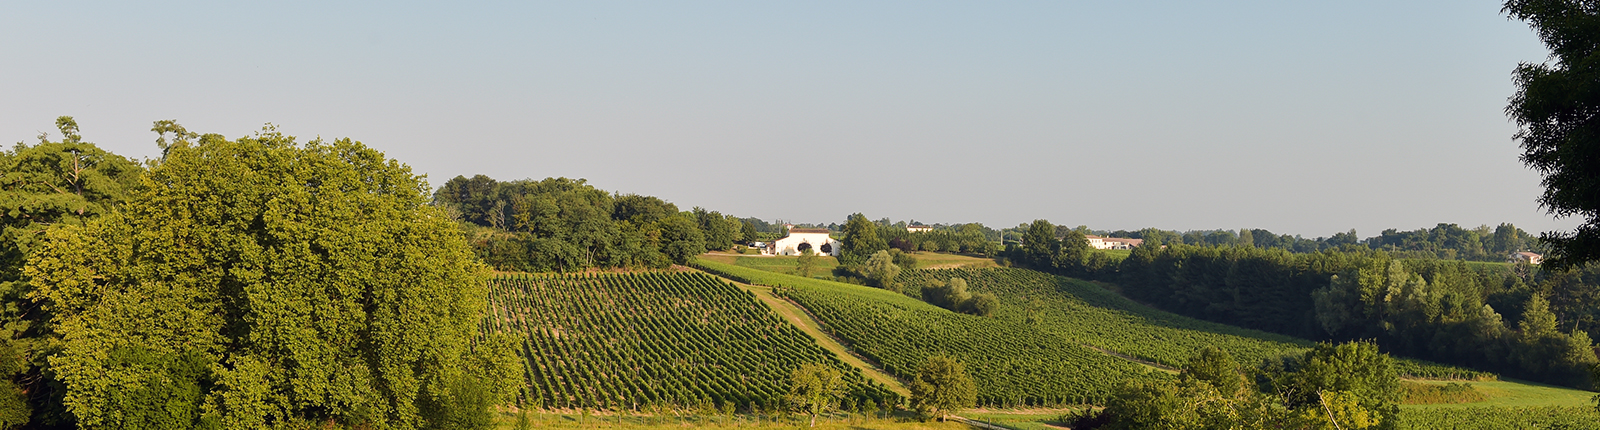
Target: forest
(1522,322)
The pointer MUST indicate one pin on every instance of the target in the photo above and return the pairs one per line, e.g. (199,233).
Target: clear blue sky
(1299,117)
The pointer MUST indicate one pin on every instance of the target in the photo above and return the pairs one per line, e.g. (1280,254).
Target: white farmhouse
(801,239)
(919,228)
(1525,257)
(1098,242)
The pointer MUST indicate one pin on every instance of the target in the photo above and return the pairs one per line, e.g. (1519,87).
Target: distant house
(918,228)
(1098,242)
(1525,257)
(801,239)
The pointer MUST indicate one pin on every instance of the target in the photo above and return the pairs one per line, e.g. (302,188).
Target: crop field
(1496,418)
(1013,363)
(1085,313)
(655,340)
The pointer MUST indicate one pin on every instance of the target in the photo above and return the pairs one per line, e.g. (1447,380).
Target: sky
(1304,118)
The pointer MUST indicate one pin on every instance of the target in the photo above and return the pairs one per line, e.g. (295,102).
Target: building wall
(790,245)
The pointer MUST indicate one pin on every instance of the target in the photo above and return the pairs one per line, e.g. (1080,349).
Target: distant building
(1525,257)
(1098,242)
(801,239)
(918,228)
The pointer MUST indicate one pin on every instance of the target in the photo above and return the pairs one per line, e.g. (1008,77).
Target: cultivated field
(657,341)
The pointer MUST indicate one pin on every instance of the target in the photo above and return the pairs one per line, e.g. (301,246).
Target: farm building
(1098,242)
(801,239)
(1525,257)
(918,228)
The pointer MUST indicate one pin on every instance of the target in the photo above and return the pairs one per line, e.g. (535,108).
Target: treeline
(1444,241)
(1531,324)
(560,224)
(257,282)
(1348,386)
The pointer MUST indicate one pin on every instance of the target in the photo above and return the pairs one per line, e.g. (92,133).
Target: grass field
(1517,394)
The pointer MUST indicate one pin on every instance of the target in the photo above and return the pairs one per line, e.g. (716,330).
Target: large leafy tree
(64,182)
(262,283)
(1557,106)
(861,241)
(815,388)
(942,387)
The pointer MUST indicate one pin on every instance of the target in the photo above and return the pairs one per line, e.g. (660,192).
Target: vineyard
(1085,312)
(1485,418)
(1013,363)
(651,340)
(1088,314)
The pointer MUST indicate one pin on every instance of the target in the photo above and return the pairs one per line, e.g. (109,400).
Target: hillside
(625,341)
(1012,362)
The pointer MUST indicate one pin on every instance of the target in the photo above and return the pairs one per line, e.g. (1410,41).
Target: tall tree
(1557,107)
(815,388)
(67,182)
(942,387)
(262,283)
(861,241)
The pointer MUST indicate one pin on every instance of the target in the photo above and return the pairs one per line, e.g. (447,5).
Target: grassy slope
(1123,315)
(1517,394)
(798,316)
(1011,362)
(1090,315)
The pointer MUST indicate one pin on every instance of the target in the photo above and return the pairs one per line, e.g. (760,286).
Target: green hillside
(1013,363)
(631,340)
(1087,314)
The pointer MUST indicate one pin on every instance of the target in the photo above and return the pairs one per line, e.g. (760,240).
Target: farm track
(808,323)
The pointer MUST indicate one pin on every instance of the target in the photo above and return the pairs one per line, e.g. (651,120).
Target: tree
(806,263)
(50,183)
(1039,245)
(1557,109)
(861,241)
(263,283)
(942,387)
(682,238)
(881,270)
(814,389)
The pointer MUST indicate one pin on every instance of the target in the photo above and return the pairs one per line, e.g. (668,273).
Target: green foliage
(815,388)
(861,241)
(1486,418)
(1555,107)
(1430,309)
(560,224)
(1355,372)
(1349,386)
(806,263)
(1416,393)
(49,183)
(313,282)
(623,341)
(1090,315)
(881,270)
(1011,362)
(942,387)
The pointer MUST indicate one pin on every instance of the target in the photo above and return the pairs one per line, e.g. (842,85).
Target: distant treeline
(1444,241)
(560,224)
(1519,321)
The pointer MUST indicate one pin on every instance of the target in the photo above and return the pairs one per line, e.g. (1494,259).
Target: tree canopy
(263,283)
(65,182)
(1557,107)
(942,387)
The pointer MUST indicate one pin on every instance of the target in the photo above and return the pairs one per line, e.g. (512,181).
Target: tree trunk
(813,419)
